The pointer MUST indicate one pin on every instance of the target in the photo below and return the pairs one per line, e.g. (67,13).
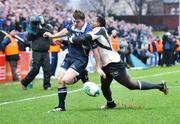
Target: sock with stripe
(62,92)
(146,86)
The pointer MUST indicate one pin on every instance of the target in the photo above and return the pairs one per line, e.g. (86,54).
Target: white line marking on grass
(37,97)
(156,75)
(73,91)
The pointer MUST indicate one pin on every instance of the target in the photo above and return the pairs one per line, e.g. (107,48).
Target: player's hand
(101,72)
(47,34)
(56,42)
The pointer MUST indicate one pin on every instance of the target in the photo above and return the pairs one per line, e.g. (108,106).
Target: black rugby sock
(146,86)
(62,92)
(107,94)
(85,78)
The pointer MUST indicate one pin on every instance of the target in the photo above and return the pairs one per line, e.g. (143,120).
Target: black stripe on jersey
(102,32)
(105,47)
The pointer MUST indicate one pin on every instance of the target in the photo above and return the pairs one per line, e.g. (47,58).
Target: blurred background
(135,27)
(160,14)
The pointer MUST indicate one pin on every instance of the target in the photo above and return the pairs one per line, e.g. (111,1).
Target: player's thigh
(75,69)
(69,77)
(79,68)
(118,72)
(121,76)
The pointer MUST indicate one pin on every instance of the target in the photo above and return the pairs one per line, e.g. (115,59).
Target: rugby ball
(91,89)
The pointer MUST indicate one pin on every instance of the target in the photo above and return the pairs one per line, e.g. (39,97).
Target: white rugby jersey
(104,46)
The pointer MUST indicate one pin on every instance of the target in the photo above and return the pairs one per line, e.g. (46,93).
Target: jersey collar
(82,29)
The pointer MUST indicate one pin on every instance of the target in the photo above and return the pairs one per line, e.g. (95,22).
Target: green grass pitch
(134,107)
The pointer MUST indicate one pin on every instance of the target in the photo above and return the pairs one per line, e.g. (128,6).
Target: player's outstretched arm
(63,32)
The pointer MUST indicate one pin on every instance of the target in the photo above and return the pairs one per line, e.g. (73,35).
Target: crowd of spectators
(15,14)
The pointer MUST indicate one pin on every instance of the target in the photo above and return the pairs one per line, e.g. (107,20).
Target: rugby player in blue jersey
(75,62)
(112,65)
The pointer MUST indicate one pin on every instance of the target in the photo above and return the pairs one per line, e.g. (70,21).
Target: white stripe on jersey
(107,56)
(80,30)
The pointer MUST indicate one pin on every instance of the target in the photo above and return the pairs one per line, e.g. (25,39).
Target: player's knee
(67,81)
(59,81)
(64,80)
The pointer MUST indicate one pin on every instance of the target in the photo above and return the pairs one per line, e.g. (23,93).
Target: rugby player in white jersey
(112,65)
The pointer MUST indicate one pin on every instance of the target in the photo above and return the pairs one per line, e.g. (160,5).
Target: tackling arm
(81,39)
(98,63)
(93,35)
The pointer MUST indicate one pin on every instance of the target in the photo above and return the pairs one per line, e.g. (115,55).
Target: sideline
(73,91)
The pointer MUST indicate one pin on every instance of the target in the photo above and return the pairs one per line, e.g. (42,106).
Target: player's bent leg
(141,85)
(127,82)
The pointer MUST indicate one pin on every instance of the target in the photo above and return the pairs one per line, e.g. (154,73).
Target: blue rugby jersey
(80,51)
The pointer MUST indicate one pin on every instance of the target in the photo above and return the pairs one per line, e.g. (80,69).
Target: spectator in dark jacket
(167,46)
(40,55)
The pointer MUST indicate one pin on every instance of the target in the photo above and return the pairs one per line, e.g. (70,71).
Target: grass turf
(19,107)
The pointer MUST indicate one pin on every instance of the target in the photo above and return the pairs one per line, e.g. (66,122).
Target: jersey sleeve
(95,33)
(93,44)
(68,27)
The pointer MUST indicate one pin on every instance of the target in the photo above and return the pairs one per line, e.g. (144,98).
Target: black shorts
(115,69)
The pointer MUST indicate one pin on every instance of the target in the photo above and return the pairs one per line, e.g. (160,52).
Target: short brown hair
(78,15)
